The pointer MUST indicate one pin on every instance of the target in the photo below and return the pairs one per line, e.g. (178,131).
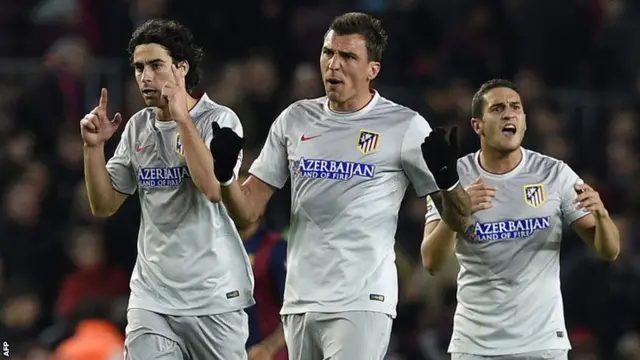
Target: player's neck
(358,102)
(499,163)
(163,113)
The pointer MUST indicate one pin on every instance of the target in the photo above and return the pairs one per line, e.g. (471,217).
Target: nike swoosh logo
(140,148)
(305,138)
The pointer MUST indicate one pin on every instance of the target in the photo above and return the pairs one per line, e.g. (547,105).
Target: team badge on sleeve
(178,146)
(368,141)
(534,195)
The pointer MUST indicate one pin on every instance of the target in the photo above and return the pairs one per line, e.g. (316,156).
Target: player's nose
(334,63)
(147,76)
(508,115)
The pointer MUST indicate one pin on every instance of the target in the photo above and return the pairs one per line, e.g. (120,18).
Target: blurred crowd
(64,273)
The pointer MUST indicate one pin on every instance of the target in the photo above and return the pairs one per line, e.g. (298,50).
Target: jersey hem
(182,312)
(514,351)
(117,189)
(264,179)
(333,310)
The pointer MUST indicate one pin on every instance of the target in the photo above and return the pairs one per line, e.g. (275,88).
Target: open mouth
(334,81)
(509,129)
(149,92)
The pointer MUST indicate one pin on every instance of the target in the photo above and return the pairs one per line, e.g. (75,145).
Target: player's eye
(156,66)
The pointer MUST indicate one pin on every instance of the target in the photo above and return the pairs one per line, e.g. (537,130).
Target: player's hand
(95,127)
(225,149)
(260,352)
(589,199)
(441,156)
(481,195)
(175,94)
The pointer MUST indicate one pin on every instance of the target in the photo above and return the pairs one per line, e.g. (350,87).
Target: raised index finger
(177,77)
(104,99)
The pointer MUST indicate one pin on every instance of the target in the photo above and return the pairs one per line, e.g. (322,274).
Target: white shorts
(150,335)
(351,335)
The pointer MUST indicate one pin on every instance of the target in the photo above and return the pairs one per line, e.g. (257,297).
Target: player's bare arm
(437,245)
(597,229)
(268,347)
(96,128)
(196,154)
(456,209)
(441,156)
(438,241)
(247,202)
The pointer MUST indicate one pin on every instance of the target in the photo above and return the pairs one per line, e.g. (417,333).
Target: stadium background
(577,63)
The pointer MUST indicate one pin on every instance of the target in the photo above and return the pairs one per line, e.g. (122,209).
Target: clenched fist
(95,127)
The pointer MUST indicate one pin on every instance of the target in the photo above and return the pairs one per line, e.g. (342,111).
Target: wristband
(453,187)
(228,182)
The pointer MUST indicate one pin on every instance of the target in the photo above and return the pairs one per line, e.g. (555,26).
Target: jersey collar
(505,175)
(354,114)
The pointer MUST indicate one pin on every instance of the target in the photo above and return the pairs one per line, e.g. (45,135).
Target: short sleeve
(225,117)
(413,163)
(271,166)
(567,179)
(432,211)
(119,167)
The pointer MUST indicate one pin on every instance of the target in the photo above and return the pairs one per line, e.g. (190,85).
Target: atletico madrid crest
(534,195)
(178,146)
(368,141)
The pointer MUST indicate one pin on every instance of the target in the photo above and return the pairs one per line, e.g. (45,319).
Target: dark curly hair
(176,39)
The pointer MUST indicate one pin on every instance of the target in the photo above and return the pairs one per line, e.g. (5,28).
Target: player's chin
(152,102)
(334,95)
(509,145)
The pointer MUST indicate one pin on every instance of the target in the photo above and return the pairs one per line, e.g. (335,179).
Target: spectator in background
(56,96)
(95,336)
(21,313)
(93,277)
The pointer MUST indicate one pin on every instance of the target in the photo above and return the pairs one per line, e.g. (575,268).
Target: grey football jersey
(349,173)
(191,260)
(509,298)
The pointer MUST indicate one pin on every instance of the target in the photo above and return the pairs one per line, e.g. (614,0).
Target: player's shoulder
(467,162)
(399,112)
(140,120)
(209,111)
(315,106)
(542,163)
(142,115)
(301,109)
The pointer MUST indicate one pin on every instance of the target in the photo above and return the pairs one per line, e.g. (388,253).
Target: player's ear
(183,66)
(476,125)
(374,70)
